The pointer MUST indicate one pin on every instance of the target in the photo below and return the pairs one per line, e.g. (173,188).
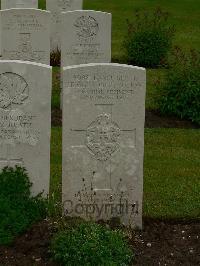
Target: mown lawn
(184,15)
(171,172)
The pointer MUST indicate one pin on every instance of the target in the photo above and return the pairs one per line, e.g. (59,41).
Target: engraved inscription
(13,90)
(86,27)
(22,22)
(102,137)
(84,51)
(17,127)
(103,87)
(25,50)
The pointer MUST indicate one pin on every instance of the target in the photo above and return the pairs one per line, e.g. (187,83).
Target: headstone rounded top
(26,9)
(104,64)
(26,63)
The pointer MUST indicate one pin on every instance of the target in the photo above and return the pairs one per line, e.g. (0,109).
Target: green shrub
(149,39)
(18,210)
(180,91)
(91,244)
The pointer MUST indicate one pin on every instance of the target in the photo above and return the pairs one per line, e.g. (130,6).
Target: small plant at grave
(149,39)
(180,91)
(55,58)
(91,244)
(18,210)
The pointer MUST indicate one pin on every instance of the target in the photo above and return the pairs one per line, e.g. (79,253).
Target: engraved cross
(102,139)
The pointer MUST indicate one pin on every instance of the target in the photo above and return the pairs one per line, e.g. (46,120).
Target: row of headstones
(103,113)
(84,36)
(102,138)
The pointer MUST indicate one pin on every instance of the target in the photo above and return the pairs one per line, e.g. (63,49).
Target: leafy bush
(149,39)
(18,210)
(180,92)
(91,244)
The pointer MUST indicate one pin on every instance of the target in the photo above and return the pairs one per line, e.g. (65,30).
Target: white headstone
(25,120)
(56,7)
(86,37)
(103,141)
(25,35)
(6,4)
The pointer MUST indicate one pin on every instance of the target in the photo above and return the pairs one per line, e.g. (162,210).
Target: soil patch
(167,243)
(32,248)
(153,120)
(56,118)
(160,243)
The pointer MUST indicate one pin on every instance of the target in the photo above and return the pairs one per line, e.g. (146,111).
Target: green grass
(171,172)
(42,4)
(56,163)
(185,16)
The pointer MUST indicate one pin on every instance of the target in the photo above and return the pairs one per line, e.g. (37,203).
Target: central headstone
(56,7)
(25,120)
(103,141)
(6,4)
(25,35)
(90,37)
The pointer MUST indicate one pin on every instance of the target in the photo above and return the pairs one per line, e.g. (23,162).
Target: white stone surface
(90,37)
(0,37)
(103,141)
(56,7)
(25,120)
(6,4)
(25,35)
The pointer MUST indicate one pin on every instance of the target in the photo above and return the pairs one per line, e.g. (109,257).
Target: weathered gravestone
(25,35)
(90,37)
(6,4)
(56,7)
(25,120)
(103,141)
